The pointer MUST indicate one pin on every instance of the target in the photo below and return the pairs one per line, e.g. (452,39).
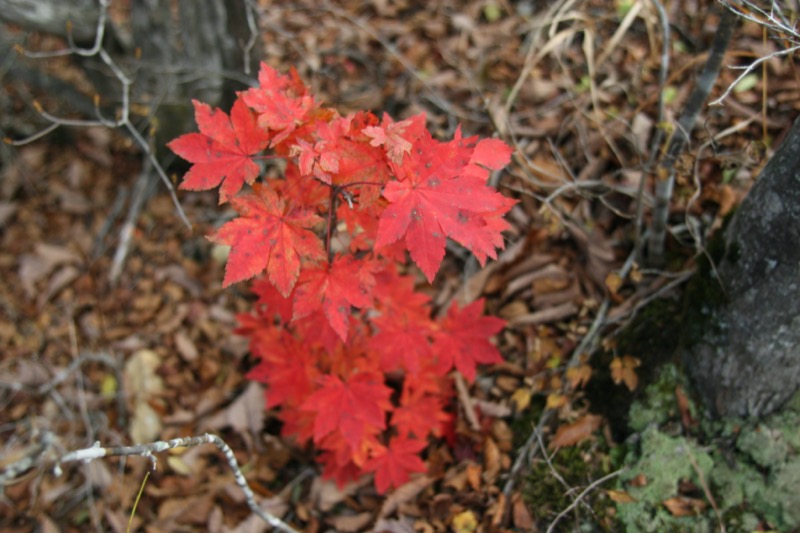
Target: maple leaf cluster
(346,346)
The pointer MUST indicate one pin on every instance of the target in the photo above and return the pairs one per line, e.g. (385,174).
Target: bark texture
(52,16)
(173,50)
(748,361)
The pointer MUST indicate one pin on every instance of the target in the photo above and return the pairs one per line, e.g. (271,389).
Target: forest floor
(573,86)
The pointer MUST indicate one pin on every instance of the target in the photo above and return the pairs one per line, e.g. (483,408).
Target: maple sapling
(346,346)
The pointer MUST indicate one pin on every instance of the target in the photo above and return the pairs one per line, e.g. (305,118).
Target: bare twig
(596,483)
(147,451)
(123,122)
(658,136)
(665,175)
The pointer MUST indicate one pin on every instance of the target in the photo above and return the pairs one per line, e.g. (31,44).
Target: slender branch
(123,122)
(596,483)
(147,451)
(658,136)
(665,174)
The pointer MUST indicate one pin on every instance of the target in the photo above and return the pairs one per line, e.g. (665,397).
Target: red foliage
(346,346)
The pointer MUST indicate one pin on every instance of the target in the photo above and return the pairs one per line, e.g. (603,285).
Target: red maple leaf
(439,195)
(401,341)
(354,407)
(223,150)
(281,102)
(393,465)
(268,235)
(335,288)
(396,137)
(420,415)
(463,340)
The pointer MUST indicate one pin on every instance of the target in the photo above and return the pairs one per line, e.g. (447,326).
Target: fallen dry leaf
(623,369)
(145,424)
(554,401)
(465,522)
(613,282)
(578,375)
(520,514)
(350,523)
(521,399)
(683,406)
(684,506)
(620,496)
(571,434)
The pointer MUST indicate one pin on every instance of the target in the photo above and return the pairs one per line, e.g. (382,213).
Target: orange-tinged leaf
(623,369)
(613,282)
(684,506)
(268,235)
(571,434)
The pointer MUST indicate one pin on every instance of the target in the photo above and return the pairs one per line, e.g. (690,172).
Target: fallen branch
(37,452)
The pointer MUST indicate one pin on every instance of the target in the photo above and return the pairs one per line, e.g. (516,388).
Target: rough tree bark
(175,50)
(748,360)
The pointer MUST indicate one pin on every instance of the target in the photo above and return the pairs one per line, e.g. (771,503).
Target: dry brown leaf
(571,434)
(683,506)
(623,369)
(473,474)
(639,481)
(683,406)
(521,515)
(492,460)
(35,267)
(404,494)
(245,414)
(351,523)
(393,526)
(185,346)
(613,282)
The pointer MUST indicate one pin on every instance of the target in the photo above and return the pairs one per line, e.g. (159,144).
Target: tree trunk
(173,50)
(748,360)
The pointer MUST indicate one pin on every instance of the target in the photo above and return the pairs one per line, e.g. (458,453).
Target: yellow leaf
(109,386)
(465,522)
(620,496)
(613,282)
(521,399)
(554,401)
(579,375)
(623,369)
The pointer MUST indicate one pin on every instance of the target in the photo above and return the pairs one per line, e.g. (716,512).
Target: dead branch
(36,454)
(679,138)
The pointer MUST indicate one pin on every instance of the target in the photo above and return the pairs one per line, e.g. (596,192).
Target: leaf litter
(579,143)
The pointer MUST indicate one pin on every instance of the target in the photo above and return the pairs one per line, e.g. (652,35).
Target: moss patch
(751,468)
